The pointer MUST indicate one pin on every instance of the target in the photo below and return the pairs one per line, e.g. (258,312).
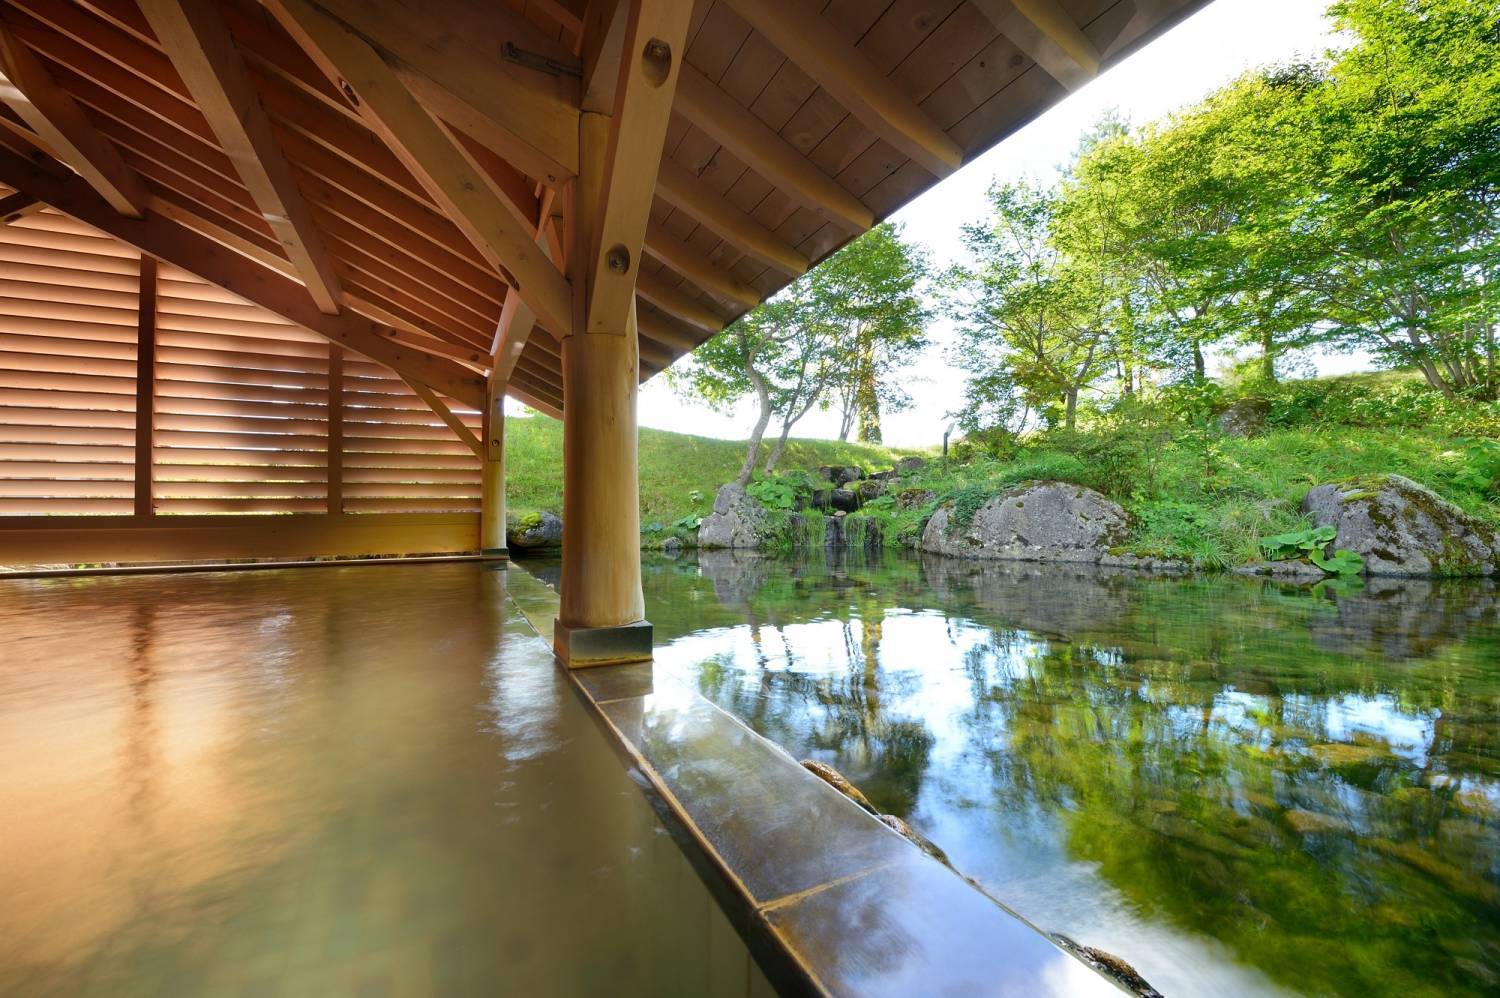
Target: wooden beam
(753,142)
(16,206)
(260,285)
(655,35)
(655,289)
(683,190)
(437,405)
(520,393)
(199,44)
(603,39)
(511,334)
(1056,24)
(696,267)
(145,387)
(484,69)
(653,327)
(425,148)
(1039,34)
(810,41)
(28,89)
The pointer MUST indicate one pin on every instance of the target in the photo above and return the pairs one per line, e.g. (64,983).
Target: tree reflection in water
(1230,783)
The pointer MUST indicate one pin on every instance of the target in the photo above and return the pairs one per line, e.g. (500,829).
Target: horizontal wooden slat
(22,434)
(15,415)
(59,504)
(41,488)
(171,489)
(384,505)
(170,507)
(66,471)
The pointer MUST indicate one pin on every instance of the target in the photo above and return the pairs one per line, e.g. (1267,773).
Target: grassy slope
(673,465)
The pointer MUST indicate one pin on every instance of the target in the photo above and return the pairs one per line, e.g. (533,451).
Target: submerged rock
(837,781)
(531,531)
(913,836)
(1040,521)
(1109,965)
(1402,528)
(738,521)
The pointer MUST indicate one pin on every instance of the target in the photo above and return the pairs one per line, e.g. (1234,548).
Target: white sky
(1209,49)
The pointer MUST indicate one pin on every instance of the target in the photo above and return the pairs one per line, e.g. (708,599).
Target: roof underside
(723,233)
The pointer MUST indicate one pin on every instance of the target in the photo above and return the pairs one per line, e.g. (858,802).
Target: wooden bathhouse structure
(268,268)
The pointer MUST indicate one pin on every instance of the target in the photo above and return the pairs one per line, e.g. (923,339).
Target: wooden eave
(922,86)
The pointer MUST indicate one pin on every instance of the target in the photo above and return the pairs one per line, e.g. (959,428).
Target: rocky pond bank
(1376,525)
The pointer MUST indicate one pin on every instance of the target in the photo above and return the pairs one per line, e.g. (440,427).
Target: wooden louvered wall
(245,413)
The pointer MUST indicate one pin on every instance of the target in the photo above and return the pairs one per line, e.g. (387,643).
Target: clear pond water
(1237,786)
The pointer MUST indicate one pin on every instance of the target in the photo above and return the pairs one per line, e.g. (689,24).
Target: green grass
(673,466)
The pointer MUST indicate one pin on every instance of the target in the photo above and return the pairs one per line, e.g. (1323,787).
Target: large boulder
(840,475)
(530,531)
(1402,528)
(843,499)
(1040,521)
(910,465)
(738,521)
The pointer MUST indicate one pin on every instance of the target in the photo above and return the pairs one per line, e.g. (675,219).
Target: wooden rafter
(1059,26)
(426,149)
(175,243)
(58,121)
(199,44)
(662,333)
(811,41)
(17,206)
(696,267)
(655,35)
(655,289)
(735,128)
(680,188)
(1039,28)
(458,58)
(603,39)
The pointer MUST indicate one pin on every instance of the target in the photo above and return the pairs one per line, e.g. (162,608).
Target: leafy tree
(831,336)
(1034,320)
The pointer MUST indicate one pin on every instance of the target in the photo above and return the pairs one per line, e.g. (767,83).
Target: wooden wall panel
(67,369)
(398,455)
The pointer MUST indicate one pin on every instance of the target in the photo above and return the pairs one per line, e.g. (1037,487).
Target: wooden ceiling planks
(721,235)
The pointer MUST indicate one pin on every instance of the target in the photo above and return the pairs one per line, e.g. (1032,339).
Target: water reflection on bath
(362,780)
(1238,787)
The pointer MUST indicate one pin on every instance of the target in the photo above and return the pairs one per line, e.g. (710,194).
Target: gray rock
(871,488)
(820,499)
(843,499)
(1402,528)
(913,498)
(671,547)
(1295,570)
(840,475)
(531,531)
(1041,521)
(1244,418)
(910,465)
(738,521)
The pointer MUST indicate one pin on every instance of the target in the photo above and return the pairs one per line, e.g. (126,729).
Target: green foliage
(1297,543)
(1312,543)
(965,504)
(773,494)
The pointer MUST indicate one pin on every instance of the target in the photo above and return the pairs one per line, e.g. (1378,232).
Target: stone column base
(495,554)
(581,647)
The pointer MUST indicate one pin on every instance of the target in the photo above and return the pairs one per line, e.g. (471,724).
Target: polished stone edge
(796,939)
(188,567)
(582,647)
(495,554)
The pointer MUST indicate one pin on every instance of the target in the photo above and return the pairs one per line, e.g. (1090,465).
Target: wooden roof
(265,149)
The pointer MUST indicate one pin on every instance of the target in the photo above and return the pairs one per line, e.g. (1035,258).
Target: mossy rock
(532,529)
(1400,527)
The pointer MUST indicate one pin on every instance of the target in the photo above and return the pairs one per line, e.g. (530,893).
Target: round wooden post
(602,614)
(492,503)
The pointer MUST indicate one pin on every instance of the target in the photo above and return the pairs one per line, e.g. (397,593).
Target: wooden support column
(602,615)
(492,508)
(335,429)
(145,386)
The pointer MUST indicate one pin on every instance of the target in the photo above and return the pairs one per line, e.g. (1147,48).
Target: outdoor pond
(1237,786)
